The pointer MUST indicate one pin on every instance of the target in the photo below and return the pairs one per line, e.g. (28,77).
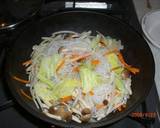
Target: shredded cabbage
(47,68)
(89,79)
(66,87)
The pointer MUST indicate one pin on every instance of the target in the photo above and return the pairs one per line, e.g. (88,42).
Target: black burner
(12,115)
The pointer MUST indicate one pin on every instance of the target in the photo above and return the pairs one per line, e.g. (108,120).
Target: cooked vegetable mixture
(78,76)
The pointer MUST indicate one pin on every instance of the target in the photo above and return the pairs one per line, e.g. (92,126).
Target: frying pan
(136,52)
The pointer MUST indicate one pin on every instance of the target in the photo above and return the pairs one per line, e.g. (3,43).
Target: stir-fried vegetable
(89,79)
(76,76)
(44,93)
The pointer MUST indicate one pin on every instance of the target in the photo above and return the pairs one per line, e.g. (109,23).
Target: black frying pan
(136,52)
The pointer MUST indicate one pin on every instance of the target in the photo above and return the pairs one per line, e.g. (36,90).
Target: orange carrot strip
(133,70)
(81,57)
(26,95)
(95,62)
(119,108)
(60,65)
(124,105)
(128,67)
(27,62)
(122,60)
(91,93)
(100,106)
(20,80)
(76,69)
(66,98)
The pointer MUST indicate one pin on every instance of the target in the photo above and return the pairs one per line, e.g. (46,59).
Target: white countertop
(141,9)
(141,6)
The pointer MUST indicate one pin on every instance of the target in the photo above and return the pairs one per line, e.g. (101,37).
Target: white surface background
(141,6)
(141,9)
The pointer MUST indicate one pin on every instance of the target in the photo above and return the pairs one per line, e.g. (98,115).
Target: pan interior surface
(136,52)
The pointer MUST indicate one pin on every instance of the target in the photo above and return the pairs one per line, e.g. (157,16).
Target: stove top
(12,115)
